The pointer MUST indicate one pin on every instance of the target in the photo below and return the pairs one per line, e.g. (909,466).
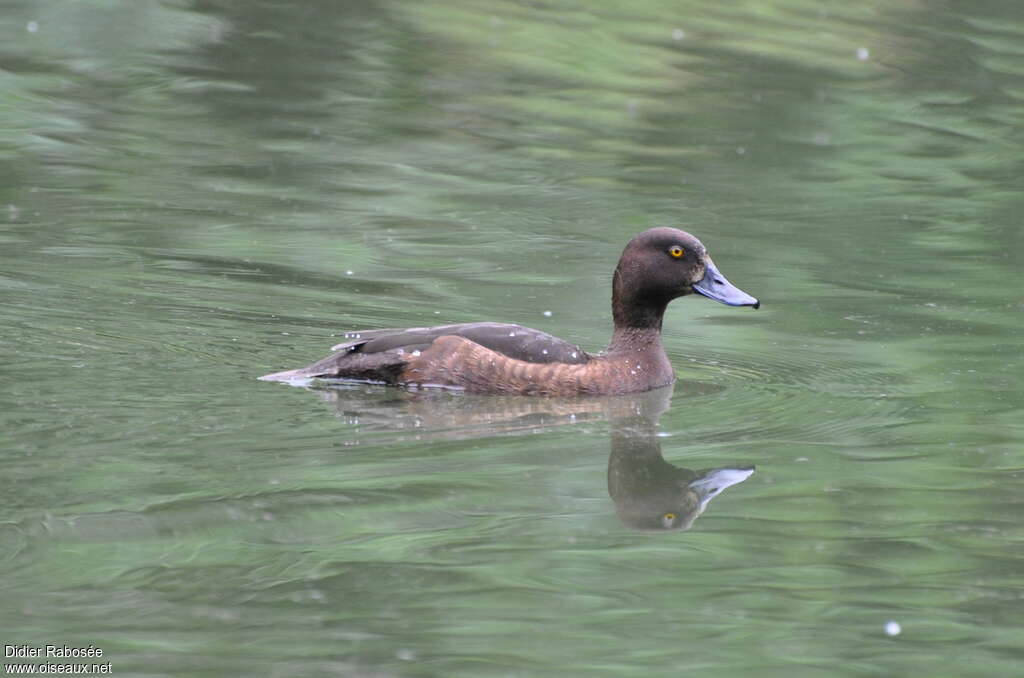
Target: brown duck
(656,267)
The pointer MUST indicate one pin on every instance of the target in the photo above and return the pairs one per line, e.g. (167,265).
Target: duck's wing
(515,341)
(380,355)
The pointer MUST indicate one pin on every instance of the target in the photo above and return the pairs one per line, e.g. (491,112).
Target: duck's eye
(676,251)
(668,518)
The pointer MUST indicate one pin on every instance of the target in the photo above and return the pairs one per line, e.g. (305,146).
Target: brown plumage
(656,267)
(456,361)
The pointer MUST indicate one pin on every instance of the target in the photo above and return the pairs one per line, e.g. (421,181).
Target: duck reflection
(384,414)
(652,494)
(649,493)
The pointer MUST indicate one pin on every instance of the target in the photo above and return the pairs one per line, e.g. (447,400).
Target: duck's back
(478,356)
(514,341)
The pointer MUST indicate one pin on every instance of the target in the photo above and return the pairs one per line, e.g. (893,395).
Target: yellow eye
(676,251)
(669,517)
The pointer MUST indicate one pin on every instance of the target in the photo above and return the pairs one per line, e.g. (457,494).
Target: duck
(657,266)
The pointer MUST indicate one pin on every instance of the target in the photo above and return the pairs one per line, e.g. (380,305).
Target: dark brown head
(660,265)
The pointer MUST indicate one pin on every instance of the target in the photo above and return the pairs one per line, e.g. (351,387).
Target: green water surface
(193,194)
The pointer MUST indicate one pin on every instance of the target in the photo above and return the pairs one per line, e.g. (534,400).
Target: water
(194,195)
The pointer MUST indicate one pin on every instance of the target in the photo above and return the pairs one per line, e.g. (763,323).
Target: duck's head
(660,265)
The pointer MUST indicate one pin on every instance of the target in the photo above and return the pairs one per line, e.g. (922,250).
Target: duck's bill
(713,481)
(714,286)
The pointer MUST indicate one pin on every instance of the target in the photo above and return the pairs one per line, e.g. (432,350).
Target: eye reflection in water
(649,493)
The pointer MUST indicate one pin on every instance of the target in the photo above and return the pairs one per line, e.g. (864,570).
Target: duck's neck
(637,320)
(633,339)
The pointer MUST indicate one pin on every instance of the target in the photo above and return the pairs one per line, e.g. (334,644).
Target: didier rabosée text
(35,651)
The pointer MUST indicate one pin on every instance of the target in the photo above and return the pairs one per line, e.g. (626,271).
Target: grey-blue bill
(715,286)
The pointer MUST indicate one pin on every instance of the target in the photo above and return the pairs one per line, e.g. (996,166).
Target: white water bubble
(678,34)
(32,27)
(547,314)
(863,54)
(893,628)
